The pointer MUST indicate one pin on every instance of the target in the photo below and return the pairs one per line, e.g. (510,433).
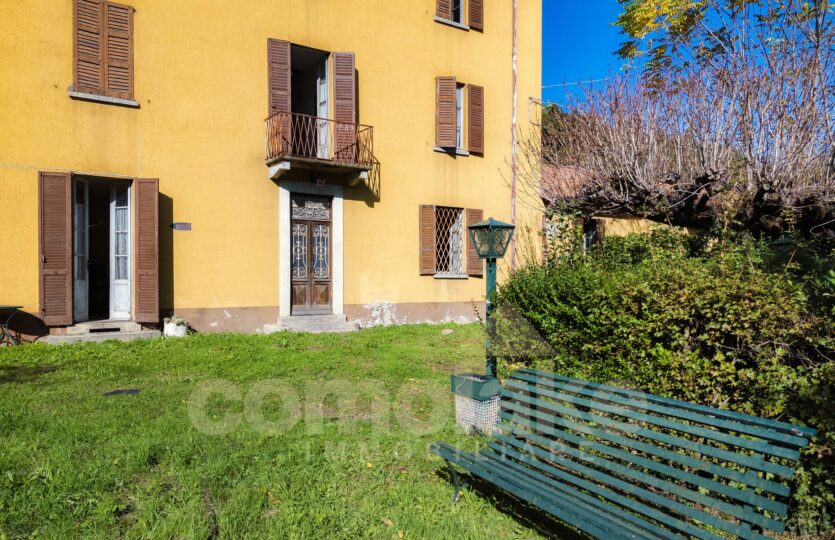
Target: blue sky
(578,43)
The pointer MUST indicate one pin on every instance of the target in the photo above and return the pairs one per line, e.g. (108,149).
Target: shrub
(712,323)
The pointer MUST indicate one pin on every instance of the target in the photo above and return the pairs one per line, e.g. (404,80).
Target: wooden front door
(310,244)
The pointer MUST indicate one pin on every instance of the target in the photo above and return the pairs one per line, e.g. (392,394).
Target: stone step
(314,324)
(98,337)
(103,327)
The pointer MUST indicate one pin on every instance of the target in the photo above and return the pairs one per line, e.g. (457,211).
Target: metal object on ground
(476,402)
(7,335)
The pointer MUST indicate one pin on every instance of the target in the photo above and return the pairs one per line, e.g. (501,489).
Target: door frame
(285,190)
(86,179)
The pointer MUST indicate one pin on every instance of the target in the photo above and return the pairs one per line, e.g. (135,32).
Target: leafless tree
(738,131)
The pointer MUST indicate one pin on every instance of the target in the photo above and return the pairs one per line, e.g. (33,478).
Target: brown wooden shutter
(279,75)
(475,118)
(55,239)
(446,117)
(475,266)
(345,106)
(278,52)
(476,10)
(443,9)
(119,50)
(427,240)
(147,249)
(88,22)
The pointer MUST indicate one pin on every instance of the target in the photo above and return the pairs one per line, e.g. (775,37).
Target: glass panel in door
(120,248)
(323,133)
(81,250)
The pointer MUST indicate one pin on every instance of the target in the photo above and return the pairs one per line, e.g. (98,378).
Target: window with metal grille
(449,241)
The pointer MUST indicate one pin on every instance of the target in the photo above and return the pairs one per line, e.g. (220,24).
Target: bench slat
(638,431)
(745,496)
(756,446)
(676,412)
(743,418)
(527,476)
(749,478)
(599,528)
(641,477)
(605,492)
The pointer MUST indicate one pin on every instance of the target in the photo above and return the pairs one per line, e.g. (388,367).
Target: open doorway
(101,249)
(310,97)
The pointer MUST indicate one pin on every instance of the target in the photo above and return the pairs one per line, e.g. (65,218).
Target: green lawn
(76,462)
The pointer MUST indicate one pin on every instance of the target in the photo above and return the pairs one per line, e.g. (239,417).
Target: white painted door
(81,250)
(120,248)
(322,111)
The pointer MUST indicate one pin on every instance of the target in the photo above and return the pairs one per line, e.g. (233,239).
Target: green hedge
(745,326)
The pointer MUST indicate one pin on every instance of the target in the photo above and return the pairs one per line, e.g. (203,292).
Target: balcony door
(311,255)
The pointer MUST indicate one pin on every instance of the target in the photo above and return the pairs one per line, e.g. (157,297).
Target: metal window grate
(449,241)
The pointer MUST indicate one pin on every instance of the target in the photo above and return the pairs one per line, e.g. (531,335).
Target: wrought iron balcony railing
(299,137)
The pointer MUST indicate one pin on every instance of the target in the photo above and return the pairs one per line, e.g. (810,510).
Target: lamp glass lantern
(491,239)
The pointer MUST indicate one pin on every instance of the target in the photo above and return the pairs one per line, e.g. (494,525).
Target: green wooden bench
(618,463)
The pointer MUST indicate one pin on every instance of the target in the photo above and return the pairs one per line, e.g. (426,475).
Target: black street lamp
(491,239)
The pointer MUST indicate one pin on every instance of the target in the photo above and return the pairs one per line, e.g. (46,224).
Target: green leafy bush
(733,325)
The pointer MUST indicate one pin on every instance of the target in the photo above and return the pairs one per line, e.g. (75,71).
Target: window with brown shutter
(476,14)
(146,265)
(55,240)
(475,266)
(475,119)
(103,48)
(445,248)
(446,121)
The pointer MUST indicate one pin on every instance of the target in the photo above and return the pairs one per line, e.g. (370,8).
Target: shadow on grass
(23,374)
(524,513)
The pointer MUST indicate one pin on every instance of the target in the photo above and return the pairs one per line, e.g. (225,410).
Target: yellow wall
(201,81)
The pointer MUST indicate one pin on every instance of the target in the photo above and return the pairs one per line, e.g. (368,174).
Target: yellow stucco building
(139,178)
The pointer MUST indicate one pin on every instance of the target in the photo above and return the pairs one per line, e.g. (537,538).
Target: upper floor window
(103,51)
(459,116)
(464,14)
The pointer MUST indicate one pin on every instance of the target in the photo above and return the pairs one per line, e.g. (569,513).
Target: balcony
(309,142)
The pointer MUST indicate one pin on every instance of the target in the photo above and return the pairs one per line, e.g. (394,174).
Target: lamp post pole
(490,369)
(490,239)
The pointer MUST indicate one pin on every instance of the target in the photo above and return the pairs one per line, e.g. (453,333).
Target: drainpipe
(513,145)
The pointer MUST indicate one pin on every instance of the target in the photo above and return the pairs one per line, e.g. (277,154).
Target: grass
(74,462)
